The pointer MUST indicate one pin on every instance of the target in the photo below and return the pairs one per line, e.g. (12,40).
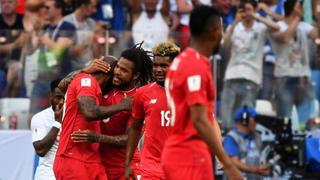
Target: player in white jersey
(45,127)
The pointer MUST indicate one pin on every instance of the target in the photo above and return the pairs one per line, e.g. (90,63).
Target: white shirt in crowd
(41,124)
(292,59)
(247,52)
(150,30)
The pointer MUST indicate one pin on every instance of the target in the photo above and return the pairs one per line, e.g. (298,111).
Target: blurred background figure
(81,19)
(243,77)
(243,144)
(11,36)
(149,24)
(292,70)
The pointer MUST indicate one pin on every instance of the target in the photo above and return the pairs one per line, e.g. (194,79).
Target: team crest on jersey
(194,83)
(85,82)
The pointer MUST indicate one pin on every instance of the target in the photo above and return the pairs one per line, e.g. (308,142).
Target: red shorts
(65,168)
(118,174)
(174,172)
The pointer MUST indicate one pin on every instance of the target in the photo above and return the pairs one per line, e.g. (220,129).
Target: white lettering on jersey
(165,118)
(194,83)
(85,82)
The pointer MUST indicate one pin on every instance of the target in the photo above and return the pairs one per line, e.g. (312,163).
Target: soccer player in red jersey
(190,93)
(150,105)
(82,111)
(132,70)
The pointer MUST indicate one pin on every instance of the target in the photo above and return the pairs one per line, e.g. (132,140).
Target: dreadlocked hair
(142,62)
(166,49)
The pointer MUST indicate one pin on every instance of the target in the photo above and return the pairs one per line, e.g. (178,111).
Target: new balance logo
(153,101)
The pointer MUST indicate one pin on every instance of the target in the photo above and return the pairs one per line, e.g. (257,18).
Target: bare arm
(92,112)
(134,135)
(199,116)
(44,145)
(86,136)
(286,36)
(62,43)
(165,9)
(269,23)
(261,170)
(226,41)
(267,10)
(183,7)
(314,34)
(136,9)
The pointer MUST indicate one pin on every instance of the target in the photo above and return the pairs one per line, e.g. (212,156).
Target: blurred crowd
(269,50)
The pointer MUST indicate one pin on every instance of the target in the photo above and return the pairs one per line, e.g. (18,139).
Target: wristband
(56,124)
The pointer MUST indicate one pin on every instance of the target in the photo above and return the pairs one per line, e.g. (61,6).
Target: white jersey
(292,59)
(247,52)
(151,31)
(41,124)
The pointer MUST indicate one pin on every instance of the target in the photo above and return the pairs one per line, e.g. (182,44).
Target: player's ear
(136,75)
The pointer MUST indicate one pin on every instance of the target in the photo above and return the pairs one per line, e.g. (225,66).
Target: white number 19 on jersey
(165,118)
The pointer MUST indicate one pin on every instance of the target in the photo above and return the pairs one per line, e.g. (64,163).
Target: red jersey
(188,82)
(114,157)
(82,85)
(150,104)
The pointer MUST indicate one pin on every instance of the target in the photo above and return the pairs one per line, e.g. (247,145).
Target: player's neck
(127,88)
(201,46)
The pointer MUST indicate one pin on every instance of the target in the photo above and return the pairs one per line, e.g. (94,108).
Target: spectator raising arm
(268,11)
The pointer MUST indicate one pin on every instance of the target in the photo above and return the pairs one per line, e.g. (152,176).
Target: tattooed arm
(92,111)
(89,136)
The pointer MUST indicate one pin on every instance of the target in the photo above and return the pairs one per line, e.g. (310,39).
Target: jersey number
(165,118)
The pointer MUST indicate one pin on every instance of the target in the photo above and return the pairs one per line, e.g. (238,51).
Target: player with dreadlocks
(133,69)
(150,106)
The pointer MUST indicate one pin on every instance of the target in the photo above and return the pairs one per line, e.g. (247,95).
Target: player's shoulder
(41,116)
(146,87)
(85,79)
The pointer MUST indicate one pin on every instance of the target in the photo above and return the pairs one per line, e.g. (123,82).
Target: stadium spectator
(151,108)
(53,60)
(149,24)
(11,33)
(111,12)
(292,70)
(190,94)
(81,19)
(83,111)
(45,127)
(184,9)
(246,36)
(243,144)
(132,70)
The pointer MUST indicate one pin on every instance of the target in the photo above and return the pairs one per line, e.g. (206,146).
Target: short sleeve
(67,30)
(230,146)
(306,27)
(38,128)
(138,106)
(195,87)
(87,86)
